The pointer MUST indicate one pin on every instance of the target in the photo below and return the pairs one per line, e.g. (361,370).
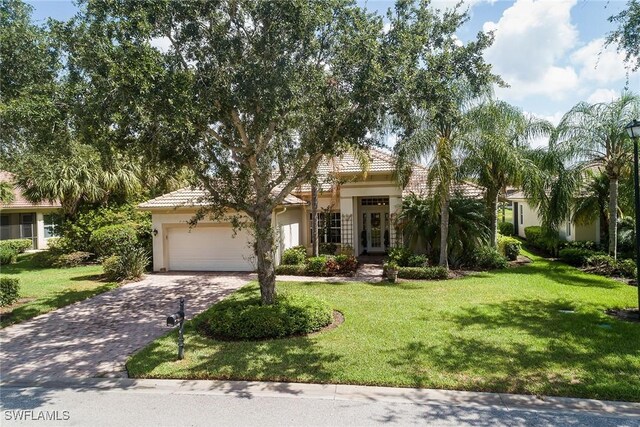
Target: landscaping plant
(9,290)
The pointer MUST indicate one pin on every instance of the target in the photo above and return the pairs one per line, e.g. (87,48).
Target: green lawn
(47,289)
(500,331)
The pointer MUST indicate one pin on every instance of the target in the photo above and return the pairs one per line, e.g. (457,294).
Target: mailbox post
(178,319)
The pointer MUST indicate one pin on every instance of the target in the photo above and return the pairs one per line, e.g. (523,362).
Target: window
(568,228)
(51,224)
(328,232)
(5,228)
(374,201)
(521,216)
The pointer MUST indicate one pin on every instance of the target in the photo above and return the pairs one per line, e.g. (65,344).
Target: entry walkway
(95,337)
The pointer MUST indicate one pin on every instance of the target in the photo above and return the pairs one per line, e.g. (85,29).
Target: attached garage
(208,248)
(211,245)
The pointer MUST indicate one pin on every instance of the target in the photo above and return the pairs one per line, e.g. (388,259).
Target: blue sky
(549,51)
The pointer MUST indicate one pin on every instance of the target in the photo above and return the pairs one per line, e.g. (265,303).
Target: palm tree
(593,136)
(495,153)
(6,192)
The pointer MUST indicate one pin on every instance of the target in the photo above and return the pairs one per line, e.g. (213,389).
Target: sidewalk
(339,392)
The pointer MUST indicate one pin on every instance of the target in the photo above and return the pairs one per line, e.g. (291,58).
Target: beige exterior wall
(527,216)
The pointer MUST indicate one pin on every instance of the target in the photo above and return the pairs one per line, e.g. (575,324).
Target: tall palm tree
(437,135)
(593,136)
(495,153)
(6,192)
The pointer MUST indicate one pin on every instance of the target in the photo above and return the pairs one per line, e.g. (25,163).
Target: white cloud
(530,39)
(163,44)
(599,64)
(603,95)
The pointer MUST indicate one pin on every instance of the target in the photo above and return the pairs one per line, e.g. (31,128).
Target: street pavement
(123,402)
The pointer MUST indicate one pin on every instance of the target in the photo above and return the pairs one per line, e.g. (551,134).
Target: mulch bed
(625,314)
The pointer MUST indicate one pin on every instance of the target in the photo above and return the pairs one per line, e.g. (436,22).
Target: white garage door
(209,249)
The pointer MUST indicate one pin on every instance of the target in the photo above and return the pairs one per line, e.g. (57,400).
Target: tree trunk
(444,232)
(314,218)
(264,253)
(613,216)
(493,219)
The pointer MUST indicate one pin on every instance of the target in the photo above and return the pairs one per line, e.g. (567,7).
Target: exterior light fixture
(155,232)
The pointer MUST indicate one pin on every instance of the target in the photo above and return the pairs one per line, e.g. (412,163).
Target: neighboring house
(356,212)
(22,219)
(524,215)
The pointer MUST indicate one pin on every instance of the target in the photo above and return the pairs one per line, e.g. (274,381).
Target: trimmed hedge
(17,245)
(113,239)
(248,319)
(423,273)
(294,256)
(292,270)
(576,256)
(488,258)
(9,290)
(509,247)
(130,265)
(506,228)
(8,256)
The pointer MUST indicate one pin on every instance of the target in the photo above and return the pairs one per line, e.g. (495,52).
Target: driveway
(95,337)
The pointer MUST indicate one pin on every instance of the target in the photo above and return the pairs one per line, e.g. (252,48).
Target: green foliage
(627,268)
(418,261)
(129,265)
(347,264)
(400,256)
(18,245)
(291,270)
(317,266)
(576,256)
(506,228)
(625,36)
(602,264)
(488,258)
(294,256)
(423,273)
(9,290)
(247,319)
(73,259)
(327,248)
(113,239)
(509,247)
(582,244)
(7,256)
(533,234)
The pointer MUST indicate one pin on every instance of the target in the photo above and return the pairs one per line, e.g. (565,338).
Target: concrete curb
(250,389)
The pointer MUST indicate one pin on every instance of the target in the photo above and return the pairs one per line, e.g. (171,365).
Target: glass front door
(374,227)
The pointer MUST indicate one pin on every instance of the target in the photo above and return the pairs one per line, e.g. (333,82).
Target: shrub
(347,264)
(9,290)
(400,256)
(317,266)
(418,261)
(130,265)
(73,259)
(627,268)
(506,228)
(486,257)
(17,245)
(293,256)
(576,256)
(423,273)
(113,239)
(533,234)
(292,270)
(248,319)
(585,244)
(602,264)
(327,248)
(346,250)
(7,256)
(61,245)
(509,247)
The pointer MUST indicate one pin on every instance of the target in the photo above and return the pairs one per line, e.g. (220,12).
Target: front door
(374,226)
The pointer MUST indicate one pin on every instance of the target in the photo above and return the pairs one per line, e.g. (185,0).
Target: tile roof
(19,201)
(193,197)
(418,185)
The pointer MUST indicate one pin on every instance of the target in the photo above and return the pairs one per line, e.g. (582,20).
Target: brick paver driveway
(95,337)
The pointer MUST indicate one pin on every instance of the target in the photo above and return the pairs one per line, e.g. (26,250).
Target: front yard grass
(501,331)
(46,289)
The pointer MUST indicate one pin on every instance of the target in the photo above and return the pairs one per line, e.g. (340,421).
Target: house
(22,219)
(356,213)
(525,215)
